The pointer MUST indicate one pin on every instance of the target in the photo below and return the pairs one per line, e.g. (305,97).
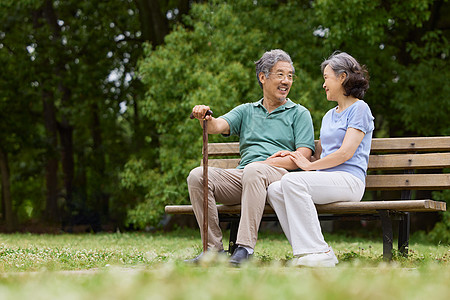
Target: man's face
(277,85)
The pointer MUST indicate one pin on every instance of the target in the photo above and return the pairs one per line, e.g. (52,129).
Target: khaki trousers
(247,187)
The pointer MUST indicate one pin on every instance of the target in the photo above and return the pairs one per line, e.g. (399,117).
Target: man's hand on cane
(201,112)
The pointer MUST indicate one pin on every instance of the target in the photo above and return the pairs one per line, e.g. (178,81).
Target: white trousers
(293,199)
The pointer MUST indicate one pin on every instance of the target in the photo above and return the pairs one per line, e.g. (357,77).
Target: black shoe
(198,259)
(195,260)
(239,256)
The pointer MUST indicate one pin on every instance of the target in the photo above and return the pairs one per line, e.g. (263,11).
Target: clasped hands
(301,161)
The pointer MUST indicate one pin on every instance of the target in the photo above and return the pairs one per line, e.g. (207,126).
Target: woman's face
(333,84)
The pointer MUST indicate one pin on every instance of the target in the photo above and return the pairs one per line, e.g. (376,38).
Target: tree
(68,50)
(210,60)
(15,134)
(405,45)
(76,106)
(72,66)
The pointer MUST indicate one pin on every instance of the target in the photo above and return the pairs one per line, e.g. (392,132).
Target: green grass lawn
(150,266)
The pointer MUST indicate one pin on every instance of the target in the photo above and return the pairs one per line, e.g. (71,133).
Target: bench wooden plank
(378,182)
(335,208)
(404,144)
(223,149)
(409,161)
(408,182)
(376,162)
(229,163)
(395,205)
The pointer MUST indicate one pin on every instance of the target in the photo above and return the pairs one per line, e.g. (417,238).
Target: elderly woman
(340,171)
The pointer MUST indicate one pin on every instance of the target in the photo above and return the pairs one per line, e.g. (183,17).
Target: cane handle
(208,113)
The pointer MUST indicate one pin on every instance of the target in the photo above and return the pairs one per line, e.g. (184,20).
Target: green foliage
(66,60)
(210,64)
(425,83)
(141,180)
(86,66)
(406,57)
(441,231)
(210,61)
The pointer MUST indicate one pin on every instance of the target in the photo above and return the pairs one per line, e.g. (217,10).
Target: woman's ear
(342,77)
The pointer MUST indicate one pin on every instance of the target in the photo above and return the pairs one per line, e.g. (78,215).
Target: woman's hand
(301,161)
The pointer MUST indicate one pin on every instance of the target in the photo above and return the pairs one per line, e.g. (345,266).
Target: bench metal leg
(386,224)
(403,234)
(234,226)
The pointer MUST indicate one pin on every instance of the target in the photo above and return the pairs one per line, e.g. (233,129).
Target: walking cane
(205,179)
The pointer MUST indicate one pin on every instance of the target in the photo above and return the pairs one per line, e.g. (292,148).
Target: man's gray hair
(269,59)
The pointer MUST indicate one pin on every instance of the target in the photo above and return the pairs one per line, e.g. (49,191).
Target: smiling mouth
(283,88)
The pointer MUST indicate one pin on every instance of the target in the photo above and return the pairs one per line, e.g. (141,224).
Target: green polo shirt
(261,133)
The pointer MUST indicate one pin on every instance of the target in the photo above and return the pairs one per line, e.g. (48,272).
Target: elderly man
(272,124)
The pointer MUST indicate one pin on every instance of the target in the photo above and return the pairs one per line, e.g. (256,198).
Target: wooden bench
(402,164)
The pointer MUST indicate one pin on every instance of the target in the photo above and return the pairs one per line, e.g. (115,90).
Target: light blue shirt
(261,133)
(333,130)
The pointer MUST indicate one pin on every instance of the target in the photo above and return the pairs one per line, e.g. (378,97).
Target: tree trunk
(101,198)
(64,127)
(51,166)
(6,191)
(66,137)
(154,23)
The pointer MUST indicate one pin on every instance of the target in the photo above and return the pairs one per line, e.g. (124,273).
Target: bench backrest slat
(223,149)
(409,161)
(414,144)
(229,163)
(378,182)
(408,182)
(408,144)
(394,155)
(376,162)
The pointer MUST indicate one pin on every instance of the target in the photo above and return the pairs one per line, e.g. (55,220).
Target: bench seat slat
(338,207)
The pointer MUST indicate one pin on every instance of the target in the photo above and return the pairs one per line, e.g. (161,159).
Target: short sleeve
(303,129)
(361,118)
(234,118)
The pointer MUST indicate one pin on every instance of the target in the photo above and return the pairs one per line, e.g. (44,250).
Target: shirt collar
(287,105)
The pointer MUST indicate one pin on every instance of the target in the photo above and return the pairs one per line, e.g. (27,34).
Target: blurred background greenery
(95,95)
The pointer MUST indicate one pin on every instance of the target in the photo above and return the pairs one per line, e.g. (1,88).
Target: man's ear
(262,77)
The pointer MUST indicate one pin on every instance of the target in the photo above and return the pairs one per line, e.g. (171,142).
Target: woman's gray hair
(357,81)
(269,59)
